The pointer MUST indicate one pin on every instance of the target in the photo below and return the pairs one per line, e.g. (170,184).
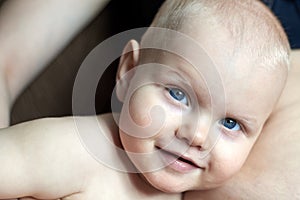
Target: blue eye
(178,95)
(231,124)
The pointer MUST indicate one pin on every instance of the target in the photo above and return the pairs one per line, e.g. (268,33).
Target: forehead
(206,56)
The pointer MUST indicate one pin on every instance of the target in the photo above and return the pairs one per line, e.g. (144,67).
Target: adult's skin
(32,33)
(272,170)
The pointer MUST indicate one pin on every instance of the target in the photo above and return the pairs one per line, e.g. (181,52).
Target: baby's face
(187,128)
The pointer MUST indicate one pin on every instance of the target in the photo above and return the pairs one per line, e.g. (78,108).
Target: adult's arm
(32,33)
(272,170)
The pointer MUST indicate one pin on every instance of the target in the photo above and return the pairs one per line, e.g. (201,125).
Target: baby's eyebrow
(251,123)
(187,76)
(178,75)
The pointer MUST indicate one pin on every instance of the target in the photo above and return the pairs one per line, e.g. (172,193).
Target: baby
(196,93)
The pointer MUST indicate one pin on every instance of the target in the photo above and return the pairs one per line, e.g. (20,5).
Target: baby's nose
(195,131)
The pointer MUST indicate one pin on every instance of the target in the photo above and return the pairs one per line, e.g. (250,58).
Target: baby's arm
(43,159)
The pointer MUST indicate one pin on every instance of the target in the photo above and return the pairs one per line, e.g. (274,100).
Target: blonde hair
(251,24)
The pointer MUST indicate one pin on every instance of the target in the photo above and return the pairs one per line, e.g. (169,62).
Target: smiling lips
(179,163)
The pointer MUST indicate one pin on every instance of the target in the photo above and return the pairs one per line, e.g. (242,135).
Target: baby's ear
(128,60)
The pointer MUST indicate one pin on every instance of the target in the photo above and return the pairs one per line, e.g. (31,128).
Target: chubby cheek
(142,153)
(144,119)
(145,113)
(145,107)
(227,160)
(138,126)
(132,144)
(140,105)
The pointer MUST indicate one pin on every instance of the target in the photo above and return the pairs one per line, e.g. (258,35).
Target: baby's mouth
(178,163)
(187,161)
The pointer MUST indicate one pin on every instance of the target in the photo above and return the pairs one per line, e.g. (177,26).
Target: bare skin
(258,175)
(272,169)
(63,168)
(83,177)
(27,44)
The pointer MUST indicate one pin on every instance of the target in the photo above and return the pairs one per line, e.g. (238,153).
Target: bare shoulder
(45,158)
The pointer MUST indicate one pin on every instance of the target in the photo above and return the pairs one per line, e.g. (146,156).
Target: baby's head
(197,94)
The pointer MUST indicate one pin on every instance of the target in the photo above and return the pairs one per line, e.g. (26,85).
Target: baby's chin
(178,187)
